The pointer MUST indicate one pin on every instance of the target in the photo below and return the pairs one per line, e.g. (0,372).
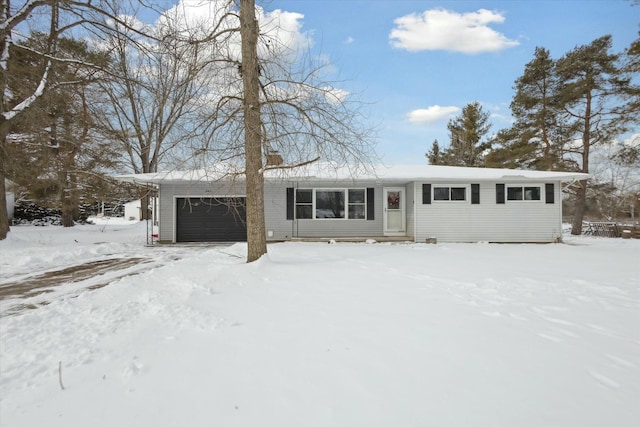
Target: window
(523,193)
(304,205)
(357,206)
(450,193)
(458,193)
(532,193)
(514,193)
(331,203)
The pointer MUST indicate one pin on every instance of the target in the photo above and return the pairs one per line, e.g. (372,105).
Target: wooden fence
(611,229)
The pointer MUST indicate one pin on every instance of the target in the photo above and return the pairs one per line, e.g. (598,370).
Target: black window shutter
(426,194)
(289,202)
(475,194)
(500,194)
(549,193)
(371,204)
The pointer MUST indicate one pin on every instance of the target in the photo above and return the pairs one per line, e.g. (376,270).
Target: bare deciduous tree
(271,107)
(291,117)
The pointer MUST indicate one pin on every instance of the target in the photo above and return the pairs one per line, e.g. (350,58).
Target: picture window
(331,204)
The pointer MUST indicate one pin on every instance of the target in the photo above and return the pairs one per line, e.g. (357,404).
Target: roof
(333,172)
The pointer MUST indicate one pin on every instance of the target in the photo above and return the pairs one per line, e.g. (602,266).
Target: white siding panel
(275,212)
(522,221)
(412,198)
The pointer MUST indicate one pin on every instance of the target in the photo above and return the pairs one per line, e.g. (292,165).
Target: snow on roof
(333,172)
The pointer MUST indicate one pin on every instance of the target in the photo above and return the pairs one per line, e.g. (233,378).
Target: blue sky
(418,63)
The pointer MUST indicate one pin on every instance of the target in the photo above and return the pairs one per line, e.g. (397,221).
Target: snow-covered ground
(320,334)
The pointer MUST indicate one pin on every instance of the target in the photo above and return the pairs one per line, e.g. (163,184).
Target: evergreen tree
(590,84)
(434,155)
(533,140)
(632,68)
(564,107)
(54,146)
(467,133)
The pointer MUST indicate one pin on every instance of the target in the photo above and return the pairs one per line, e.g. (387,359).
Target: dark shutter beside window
(475,194)
(500,194)
(290,204)
(549,193)
(426,194)
(371,204)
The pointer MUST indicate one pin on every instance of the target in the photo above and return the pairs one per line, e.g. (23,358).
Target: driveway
(47,282)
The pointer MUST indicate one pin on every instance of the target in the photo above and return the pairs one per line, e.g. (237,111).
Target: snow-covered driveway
(44,264)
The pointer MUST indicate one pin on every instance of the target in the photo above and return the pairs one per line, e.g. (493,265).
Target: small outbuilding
(408,202)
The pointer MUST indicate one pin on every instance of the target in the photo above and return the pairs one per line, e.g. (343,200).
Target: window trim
(541,188)
(347,204)
(467,193)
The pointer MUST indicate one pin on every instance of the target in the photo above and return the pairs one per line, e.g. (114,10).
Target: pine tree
(632,68)
(434,155)
(53,146)
(467,133)
(533,140)
(590,84)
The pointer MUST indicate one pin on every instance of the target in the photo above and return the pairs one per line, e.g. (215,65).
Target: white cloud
(281,32)
(431,114)
(632,141)
(349,40)
(284,29)
(502,118)
(335,95)
(441,29)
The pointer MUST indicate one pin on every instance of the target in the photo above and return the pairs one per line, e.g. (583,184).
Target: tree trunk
(256,236)
(580,207)
(66,200)
(4,215)
(581,196)
(145,214)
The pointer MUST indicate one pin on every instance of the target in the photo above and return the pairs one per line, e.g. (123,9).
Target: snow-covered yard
(321,334)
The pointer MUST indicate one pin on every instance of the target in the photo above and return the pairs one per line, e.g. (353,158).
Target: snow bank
(342,335)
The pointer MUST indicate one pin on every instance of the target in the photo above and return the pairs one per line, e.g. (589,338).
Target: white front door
(394,212)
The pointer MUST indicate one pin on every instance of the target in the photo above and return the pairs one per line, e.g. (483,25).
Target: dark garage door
(211,220)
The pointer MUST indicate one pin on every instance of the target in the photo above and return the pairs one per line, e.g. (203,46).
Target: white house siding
(329,227)
(513,221)
(523,221)
(277,225)
(410,208)
(275,211)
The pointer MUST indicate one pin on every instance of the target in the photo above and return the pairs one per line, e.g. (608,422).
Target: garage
(211,219)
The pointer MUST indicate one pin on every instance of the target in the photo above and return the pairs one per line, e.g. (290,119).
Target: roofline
(509,176)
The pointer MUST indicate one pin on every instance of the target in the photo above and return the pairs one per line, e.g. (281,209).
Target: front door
(394,215)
